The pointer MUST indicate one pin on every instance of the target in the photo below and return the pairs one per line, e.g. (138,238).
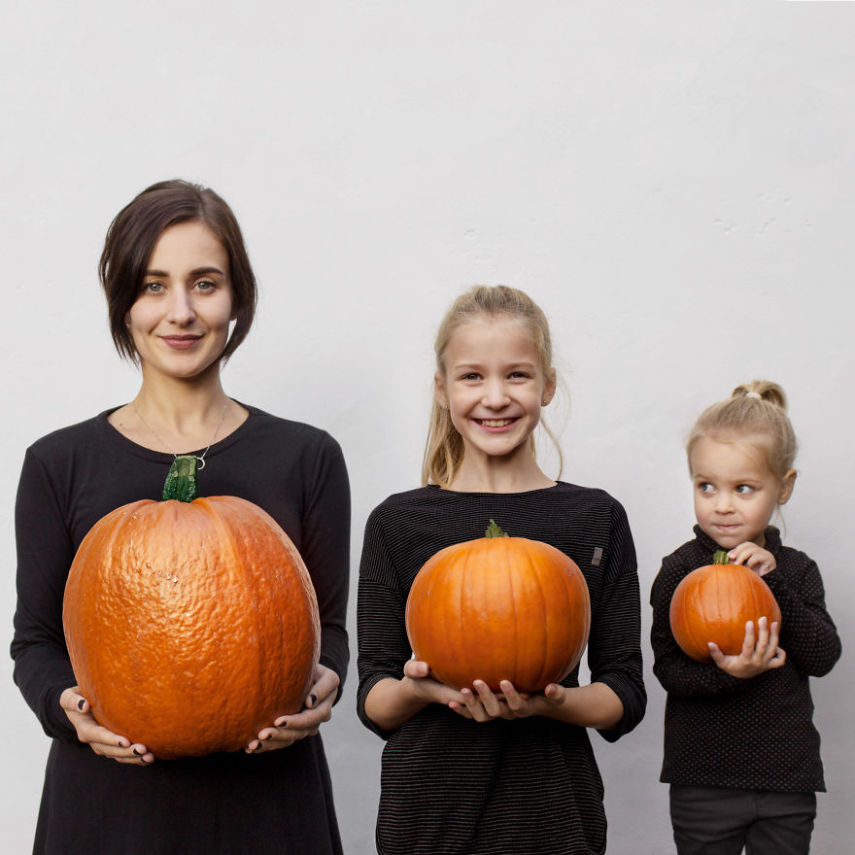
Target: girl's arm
(808,632)
(392,686)
(390,702)
(614,646)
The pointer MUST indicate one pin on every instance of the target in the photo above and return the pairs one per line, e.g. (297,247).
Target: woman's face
(180,320)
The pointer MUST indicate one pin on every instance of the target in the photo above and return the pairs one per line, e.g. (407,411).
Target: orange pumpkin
(191,625)
(713,603)
(499,608)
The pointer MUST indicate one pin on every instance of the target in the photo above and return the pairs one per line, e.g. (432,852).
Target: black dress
(451,785)
(275,802)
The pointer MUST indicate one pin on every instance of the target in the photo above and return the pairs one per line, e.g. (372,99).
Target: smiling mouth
(495,423)
(180,340)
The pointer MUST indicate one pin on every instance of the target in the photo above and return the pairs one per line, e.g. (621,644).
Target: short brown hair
(131,239)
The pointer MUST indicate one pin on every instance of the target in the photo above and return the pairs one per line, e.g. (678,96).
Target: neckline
(446,492)
(115,436)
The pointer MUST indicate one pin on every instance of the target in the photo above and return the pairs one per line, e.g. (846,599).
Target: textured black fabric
(450,785)
(277,802)
(758,733)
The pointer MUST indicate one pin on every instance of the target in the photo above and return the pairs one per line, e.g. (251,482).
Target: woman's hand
(754,658)
(754,557)
(102,741)
(317,708)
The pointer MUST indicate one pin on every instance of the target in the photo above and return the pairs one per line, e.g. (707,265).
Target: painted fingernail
(81,704)
(138,752)
(268,737)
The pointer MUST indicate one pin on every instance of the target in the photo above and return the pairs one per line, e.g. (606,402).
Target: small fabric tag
(597,557)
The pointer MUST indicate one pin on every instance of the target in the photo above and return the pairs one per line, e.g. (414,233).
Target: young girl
(472,772)
(741,752)
(176,275)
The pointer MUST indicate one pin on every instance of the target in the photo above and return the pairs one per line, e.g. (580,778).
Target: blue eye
(705,487)
(744,488)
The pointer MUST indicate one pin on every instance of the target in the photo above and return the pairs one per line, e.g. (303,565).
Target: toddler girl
(741,751)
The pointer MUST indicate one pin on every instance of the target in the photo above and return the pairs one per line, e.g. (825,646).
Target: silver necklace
(200,458)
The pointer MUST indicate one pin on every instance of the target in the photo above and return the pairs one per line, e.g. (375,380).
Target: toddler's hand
(754,557)
(754,658)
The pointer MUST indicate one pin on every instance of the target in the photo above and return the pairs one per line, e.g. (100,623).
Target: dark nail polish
(80,704)
(313,699)
(138,752)
(268,737)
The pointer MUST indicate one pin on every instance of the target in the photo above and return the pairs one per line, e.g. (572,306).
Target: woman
(177,276)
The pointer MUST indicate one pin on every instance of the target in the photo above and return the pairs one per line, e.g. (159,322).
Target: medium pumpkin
(499,608)
(191,625)
(713,603)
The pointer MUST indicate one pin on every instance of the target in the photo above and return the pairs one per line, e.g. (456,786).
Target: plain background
(672,182)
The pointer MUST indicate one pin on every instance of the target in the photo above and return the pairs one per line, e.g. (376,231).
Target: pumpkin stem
(181,480)
(720,557)
(495,530)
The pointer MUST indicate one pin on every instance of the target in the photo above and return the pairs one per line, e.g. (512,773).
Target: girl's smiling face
(734,491)
(180,320)
(493,385)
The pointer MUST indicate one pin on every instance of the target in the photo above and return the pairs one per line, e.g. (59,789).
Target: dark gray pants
(718,821)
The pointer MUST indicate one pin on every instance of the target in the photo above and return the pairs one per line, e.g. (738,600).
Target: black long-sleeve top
(756,733)
(451,785)
(279,801)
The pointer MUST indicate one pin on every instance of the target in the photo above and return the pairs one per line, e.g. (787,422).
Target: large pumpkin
(713,603)
(191,625)
(499,608)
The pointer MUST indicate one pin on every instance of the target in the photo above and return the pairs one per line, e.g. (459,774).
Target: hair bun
(765,390)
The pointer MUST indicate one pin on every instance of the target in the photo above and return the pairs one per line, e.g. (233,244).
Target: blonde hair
(444,447)
(754,409)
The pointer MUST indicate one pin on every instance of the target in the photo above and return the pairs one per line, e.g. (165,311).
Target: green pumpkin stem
(495,530)
(181,480)
(720,557)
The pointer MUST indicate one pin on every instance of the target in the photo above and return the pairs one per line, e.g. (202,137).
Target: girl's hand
(753,659)
(482,704)
(317,708)
(423,686)
(102,741)
(754,557)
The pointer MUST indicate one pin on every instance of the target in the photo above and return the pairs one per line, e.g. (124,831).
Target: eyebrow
(198,271)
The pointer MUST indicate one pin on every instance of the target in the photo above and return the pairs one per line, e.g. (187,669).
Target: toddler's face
(735,493)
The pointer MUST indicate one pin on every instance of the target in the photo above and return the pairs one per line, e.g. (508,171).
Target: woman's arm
(45,551)
(325,549)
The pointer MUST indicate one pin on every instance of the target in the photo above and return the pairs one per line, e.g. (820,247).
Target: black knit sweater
(757,733)
(451,785)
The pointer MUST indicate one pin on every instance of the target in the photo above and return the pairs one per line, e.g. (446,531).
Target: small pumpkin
(191,624)
(713,603)
(499,608)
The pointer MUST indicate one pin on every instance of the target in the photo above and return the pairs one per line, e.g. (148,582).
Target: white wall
(672,182)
